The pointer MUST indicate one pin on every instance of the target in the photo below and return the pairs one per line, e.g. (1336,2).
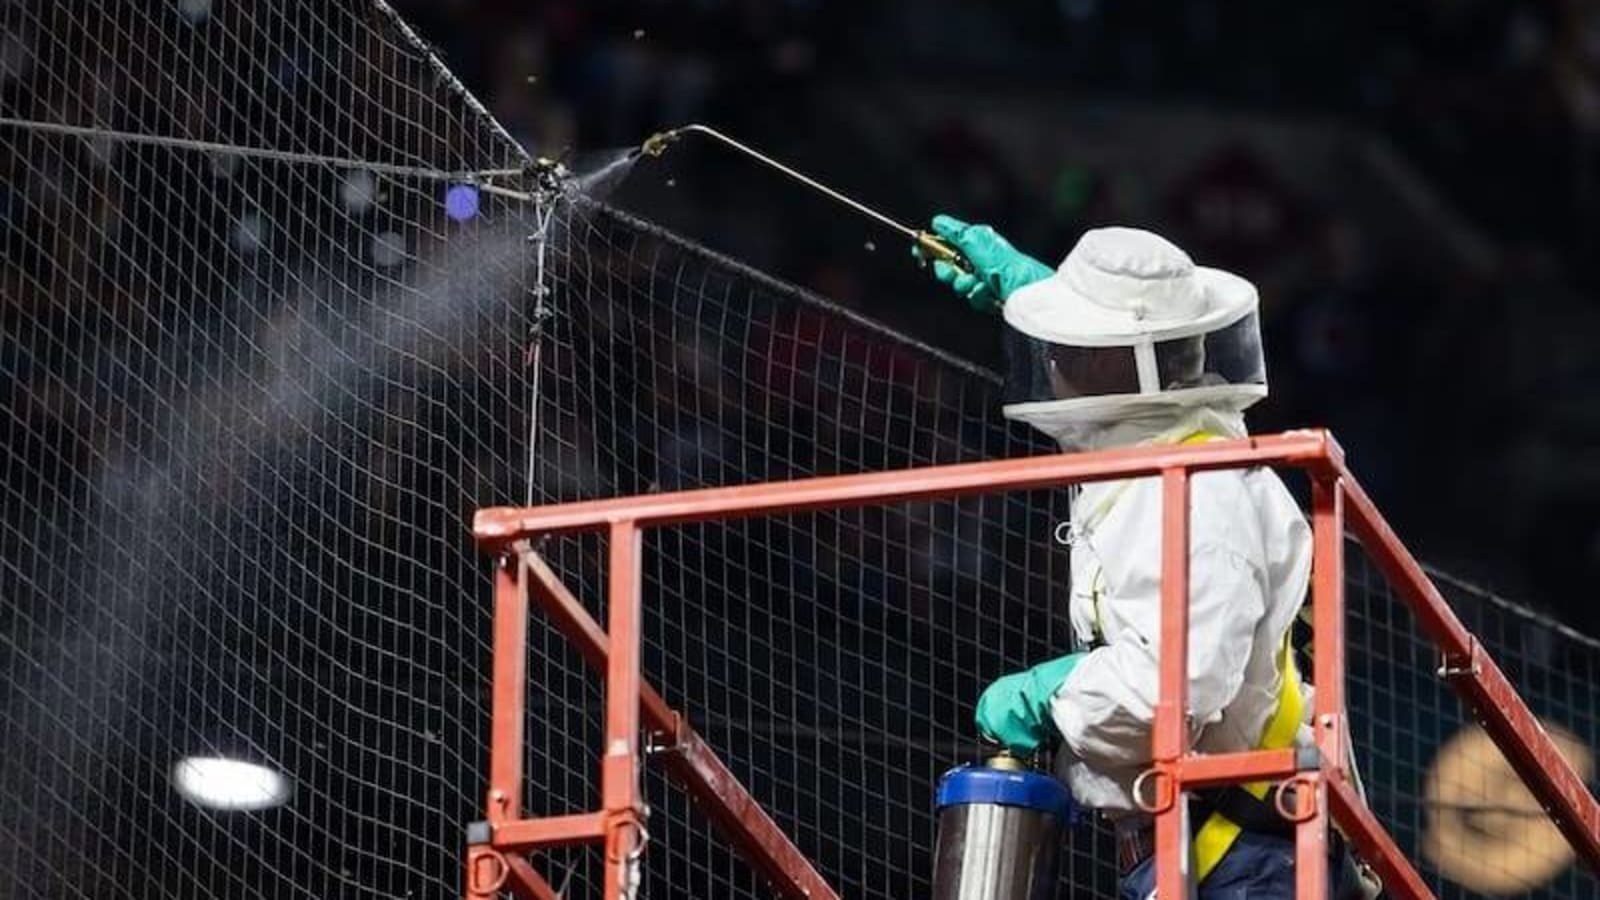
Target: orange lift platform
(1325,795)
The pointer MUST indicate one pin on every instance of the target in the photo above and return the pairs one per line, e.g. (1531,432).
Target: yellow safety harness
(1217,834)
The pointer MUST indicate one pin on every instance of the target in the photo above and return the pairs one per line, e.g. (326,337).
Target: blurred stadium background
(1413,187)
(250,403)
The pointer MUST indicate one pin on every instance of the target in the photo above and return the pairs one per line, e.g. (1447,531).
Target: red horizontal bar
(1373,845)
(552,831)
(496,527)
(1215,769)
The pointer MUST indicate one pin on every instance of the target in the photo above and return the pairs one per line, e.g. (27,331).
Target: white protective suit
(1127,291)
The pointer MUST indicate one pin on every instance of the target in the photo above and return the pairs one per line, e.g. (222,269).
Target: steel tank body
(1000,834)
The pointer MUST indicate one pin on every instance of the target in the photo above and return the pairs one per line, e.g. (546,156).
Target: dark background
(1411,185)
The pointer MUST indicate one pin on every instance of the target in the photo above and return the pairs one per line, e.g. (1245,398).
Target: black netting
(831,658)
(247,406)
(250,402)
(834,658)
(1445,793)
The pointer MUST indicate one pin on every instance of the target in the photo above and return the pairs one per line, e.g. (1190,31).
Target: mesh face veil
(1230,355)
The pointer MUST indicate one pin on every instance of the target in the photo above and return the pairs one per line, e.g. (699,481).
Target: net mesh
(250,403)
(246,407)
(1433,778)
(833,659)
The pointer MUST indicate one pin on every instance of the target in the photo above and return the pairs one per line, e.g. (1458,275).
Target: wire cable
(286,156)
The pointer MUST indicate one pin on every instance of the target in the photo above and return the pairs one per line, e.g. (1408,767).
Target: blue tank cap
(982,784)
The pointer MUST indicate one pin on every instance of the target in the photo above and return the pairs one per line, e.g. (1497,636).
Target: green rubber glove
(998,269)
(1015,710)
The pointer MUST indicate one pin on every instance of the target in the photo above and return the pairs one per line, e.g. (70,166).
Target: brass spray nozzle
(656,144)
(1007,762)
(936,249)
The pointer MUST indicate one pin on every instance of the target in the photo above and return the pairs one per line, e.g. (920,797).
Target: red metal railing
(495,858)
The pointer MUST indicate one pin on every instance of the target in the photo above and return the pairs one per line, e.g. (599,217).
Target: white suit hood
(1127,422)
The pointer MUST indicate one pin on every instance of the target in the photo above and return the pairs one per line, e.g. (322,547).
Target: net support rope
(448,79)
(479,177)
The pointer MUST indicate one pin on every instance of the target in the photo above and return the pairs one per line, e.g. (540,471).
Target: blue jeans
(1256,867)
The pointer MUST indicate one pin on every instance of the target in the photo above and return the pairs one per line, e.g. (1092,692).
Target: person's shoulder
(1217,495)
(1222,489)
(1228,506)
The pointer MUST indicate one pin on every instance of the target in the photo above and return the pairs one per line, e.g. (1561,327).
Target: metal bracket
(1471,666)
(658,744)
(487,871)
(1296,798)
(548,175)
(616,824)
(480,832)
(1163,791)
(1064,534)
(621,823)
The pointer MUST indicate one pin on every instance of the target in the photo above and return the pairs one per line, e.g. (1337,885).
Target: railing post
(1171,733)
(509,689)
(619,773)
(1327,619)
(487,867)
(1328,712)
(1310,814)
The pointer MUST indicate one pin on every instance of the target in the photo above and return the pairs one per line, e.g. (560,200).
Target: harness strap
(1219,832)
(1097,515)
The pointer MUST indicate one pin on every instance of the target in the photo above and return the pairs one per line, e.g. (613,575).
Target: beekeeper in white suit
(1130,343)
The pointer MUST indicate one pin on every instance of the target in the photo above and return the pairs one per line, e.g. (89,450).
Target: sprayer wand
(932,246)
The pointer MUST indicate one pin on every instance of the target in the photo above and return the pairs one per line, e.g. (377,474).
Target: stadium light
(230,784)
